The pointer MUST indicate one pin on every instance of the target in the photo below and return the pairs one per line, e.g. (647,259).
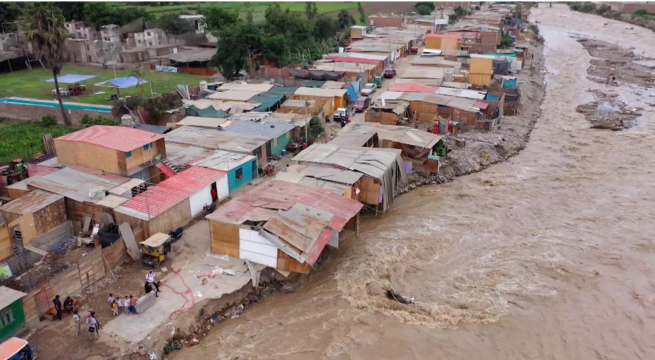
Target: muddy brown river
(548,256)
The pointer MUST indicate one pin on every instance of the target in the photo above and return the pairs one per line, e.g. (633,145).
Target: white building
(150,38)
(77,30)
(111,33)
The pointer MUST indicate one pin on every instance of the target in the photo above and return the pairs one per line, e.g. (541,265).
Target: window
(239,174)
(149,33)
(146,146)
(6,317)
(128,154)
(150,145)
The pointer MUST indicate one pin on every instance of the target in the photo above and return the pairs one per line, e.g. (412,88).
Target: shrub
(87,121)
(641,12)
(48,121)
(534,28)
(423,10)
(315,127)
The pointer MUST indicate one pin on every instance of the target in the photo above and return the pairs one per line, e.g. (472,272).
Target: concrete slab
(181,291)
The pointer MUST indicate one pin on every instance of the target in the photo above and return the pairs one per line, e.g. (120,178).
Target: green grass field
(23,140)
(32,83)
(258,8)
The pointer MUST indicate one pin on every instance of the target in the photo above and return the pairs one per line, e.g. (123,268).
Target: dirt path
(547,256)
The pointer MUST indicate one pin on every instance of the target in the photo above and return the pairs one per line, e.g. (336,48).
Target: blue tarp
(492,98)
(71,78)
(124,82)
(351,92)
(511,83)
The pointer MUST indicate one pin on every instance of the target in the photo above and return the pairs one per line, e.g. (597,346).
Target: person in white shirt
(119,302)
(78,322)
(150,277)
(92,323)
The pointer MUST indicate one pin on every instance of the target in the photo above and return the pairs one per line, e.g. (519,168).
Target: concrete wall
(630,8)
(200,199)
(33,113)
(44,241)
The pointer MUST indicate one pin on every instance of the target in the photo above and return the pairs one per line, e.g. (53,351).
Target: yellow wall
(140,156)
(96,157)
(27,227)
(479,79)
(442,43)
(481,66)
(433,43)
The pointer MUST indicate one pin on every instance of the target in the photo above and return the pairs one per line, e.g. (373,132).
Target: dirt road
(548,256)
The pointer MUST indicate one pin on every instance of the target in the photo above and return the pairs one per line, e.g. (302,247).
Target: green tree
(274,49)
(362,14)
(506,41)
(315,128)
(641,12)
(238,47)
(71,10)
(311,11)
(345,19)
(423,10)
(429,4)
(172,24)
(9,12)
(45,29)
(518,11)
(249,12)
(217,18)
(325,27)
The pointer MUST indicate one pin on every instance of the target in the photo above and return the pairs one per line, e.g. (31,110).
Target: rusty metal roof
(153,202)
(120,138)
(193,179)
(31,202)
(300,225)
(281,195)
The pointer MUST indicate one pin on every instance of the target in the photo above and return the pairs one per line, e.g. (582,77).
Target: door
(42,303)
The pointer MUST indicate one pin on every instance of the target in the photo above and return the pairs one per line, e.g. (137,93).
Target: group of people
(69,306)
(119,305)
(92,323)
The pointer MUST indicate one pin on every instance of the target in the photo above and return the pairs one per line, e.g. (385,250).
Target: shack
(158,209)
(342,182)
(339,96)
(282,225)
(278,135)
(241,168)
(482,70)
(12,316)
(391,113)
(442,41)
(34,214)
(383,169)
(199,182)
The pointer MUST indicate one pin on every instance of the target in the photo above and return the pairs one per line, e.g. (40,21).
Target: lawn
(258,8)
(31,83)
(23,140)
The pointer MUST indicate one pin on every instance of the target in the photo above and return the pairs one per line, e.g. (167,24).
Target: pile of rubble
(608,112)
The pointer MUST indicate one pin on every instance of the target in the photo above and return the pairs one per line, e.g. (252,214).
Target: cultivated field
(23,140)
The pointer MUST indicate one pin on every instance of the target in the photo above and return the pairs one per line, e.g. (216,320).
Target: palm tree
(45,29)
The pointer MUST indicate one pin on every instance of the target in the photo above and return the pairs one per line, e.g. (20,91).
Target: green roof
(497,54)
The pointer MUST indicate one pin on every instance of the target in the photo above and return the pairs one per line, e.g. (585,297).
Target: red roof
(281,195)
(193,179)
(413,87)
(120,138)
(348,59)
(156,200)
(481,104)
(444,36)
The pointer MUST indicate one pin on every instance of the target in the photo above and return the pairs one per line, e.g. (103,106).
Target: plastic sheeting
(208,112)
(351,92)
(71,79)
(268,101)
(124,82)
(502,67)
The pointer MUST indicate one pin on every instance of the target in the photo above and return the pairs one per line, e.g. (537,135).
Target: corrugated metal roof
(423,73)
(344,66)
(207,122)
(333,85)
(412,87)
(216,139)
(112,137)
(443,36)
(351,59)
(112,201)
(152,128)
(82,186)
(281,195)
(321,92)
(193,179)
(223,160)
(241,86)
(283,90)
(8,296)
(31,202)
(269,130)
(232,107)
(399,134)
(391,95)
(153,201)
(300,225)
(181,154)
(317,176)
(233,95)
(419,60)
(360,56)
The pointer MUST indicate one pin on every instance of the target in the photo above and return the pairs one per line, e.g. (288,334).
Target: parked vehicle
(177,233)
(155,249)
(389,73)
(342,114)
(431,53)
(17,349)
(369,89)
(362,103)
(413,50)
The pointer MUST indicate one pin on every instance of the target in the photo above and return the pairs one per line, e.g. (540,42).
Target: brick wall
(35,113)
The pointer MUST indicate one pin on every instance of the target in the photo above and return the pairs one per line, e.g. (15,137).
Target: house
(82,51)
(307,93)
(83,190)
(386,21)
(221,140)
(281,224)
(241,168)
(12,316)
(117,150)
(110,33)
(34,214)
(342,182)
(357,32)
(158,209)
(383,169)
(442,41)
(279,135)
(234,95)
(481,70)
(200,182)
(150,38)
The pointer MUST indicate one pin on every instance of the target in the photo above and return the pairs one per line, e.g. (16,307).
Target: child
(114,308)
(110,300)
(78,322)
(126,304)
(119,302)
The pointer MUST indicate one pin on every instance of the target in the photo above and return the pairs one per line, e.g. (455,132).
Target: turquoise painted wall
(9,330)
(282,143)
(248,175)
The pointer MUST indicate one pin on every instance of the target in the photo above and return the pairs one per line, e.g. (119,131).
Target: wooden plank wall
(115,254)
(66,283)
(29,308)
(92,267)
(16,193)
(76,210)
(178,215)
(224,239)
(5,243)
(286,262)
(50,217)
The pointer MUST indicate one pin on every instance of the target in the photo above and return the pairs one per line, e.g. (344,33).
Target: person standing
(114,308)
(98,324)
(150,277)
(126,304)
(119,303)
(133,302)
(92,324)
(57,303)
(78,323)
(110,300)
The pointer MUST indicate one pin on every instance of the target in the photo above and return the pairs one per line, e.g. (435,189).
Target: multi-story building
(77,30)
(150,38)
(111,33)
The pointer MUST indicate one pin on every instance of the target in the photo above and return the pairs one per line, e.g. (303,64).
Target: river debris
(612,60)
(608,112)
(392,295)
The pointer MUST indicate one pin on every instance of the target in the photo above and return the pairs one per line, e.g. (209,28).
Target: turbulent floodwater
(548,256)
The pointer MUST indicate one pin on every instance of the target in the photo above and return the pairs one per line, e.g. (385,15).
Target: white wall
(222,188)
(256,249)
(200,199)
